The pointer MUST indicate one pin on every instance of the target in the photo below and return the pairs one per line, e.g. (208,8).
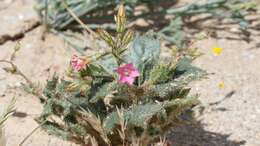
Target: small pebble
(21,17)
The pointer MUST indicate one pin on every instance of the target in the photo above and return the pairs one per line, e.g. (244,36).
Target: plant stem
(18,72)
(30,134)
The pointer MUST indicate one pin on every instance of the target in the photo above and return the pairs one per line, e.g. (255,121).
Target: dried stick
(77,18)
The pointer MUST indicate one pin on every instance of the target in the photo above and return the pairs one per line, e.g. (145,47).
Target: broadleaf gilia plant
(128,94)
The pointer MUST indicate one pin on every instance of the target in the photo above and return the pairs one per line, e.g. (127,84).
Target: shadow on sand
(196,135)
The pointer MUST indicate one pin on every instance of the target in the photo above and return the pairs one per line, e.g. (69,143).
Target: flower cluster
(78,63)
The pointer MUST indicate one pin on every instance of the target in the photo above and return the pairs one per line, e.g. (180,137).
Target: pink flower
(77,63)
(127,74)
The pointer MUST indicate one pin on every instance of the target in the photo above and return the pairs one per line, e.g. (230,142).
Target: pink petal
(127,73)
(134,73)
(129,66)
(127,80)
(120,70)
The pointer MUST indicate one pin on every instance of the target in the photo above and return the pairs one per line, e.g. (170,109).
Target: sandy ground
(233,122)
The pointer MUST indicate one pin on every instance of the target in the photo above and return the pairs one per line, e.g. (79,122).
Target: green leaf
(183,75)
(140,115)
(96,70)
(160,74)
(137,116)
(57,130)
(117,93)
(109,63)
(101,93)
(144,54)
(177,106)
(185,68)
(144,48)
(51,86)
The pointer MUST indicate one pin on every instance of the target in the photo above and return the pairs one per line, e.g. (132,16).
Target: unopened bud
(120,19)
(121,11)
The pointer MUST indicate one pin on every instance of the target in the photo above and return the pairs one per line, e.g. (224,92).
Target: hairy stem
(18,72)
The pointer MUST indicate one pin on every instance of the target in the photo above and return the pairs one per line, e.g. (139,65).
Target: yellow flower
(221,85)
(217,51)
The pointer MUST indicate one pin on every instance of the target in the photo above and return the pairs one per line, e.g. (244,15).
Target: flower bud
(121,11)
(120,19)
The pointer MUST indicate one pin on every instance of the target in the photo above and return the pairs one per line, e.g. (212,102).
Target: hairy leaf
(135,116)
(144,53)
